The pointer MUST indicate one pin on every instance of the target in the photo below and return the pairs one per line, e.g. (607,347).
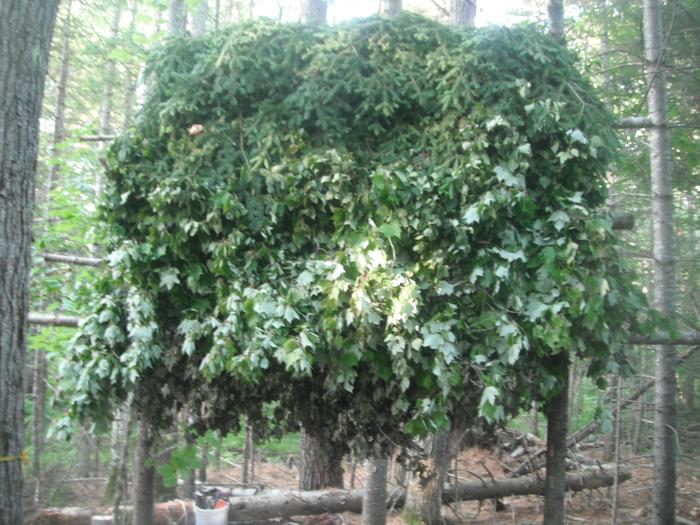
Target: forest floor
(591,507)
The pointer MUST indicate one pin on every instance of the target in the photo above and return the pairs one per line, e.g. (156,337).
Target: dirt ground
(591,507)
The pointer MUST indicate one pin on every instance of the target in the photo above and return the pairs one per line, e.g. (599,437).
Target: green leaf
(169,278)
(391,229)
(471,215)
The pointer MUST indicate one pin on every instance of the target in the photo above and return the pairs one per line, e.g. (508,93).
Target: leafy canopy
(381,222)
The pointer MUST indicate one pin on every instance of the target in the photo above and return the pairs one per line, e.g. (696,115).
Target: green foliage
(378,225)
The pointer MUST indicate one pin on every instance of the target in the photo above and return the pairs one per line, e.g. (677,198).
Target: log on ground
(271,506)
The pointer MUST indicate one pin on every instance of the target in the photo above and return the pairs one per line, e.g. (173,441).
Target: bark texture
(424,498)
(26,27)
(393,7)
(108,92)
(557,419)
(320,466)
(144,476)
(664,487)
(374,495)
(248,469)
(177,21)
(200,17)
(463,12)
(314,12)
(555,13)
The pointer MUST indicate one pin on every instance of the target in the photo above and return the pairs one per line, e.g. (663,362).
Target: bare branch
(71,259)
(97,138)
(53,320)
(634,123)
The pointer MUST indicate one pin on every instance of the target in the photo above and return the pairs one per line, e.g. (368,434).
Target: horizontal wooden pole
(71,259)
(634,123)
(97,138)
(662,338)
(53,320)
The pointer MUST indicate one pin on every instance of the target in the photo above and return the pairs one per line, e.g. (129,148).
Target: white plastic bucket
(211,516)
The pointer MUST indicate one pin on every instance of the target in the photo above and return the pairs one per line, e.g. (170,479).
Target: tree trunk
(320,465)
(555,12)
(26,27)
(40,359)
(638,435)
(59,129)
(534,430)
(191,475)
(689,389)
(664,487)
(205,462)
(200,17)
(424,498)
(463,12)
(108,93)
(38,420)
(557,417)
(374,495)
(393,7)
(177,21)
(245,468)
(217,452)
(609,438)
(121,484)
(84,451)
(129,77)
(144,476)
(313,12)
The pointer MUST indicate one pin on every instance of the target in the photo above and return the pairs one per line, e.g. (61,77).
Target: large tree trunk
(555,12)
(177,21)
(393,7)
(313,12)
(276,504)
(374,494)
(556,408)
(26,27)
(200,17)
(664,488)
(144,476)
(463,12)
(424,498)
(557,419)
(320,465)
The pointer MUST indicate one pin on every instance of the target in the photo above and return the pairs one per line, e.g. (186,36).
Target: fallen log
(275,504)
(525,486)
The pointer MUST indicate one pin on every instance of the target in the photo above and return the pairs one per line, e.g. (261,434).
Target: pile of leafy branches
(376,225)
